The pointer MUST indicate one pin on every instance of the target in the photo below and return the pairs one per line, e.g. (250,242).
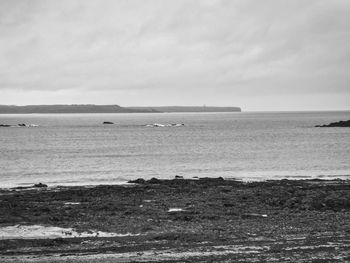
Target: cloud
(235,48)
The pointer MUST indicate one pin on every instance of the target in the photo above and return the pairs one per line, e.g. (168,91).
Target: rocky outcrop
(40,185)
(336,124)
(19,125)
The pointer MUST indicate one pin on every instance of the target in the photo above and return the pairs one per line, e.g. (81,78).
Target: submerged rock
(336,124)
(40,185)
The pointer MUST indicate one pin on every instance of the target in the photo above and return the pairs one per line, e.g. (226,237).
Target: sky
(259,55)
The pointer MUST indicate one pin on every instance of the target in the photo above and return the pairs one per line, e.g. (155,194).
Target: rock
(19,125)
(138,181)
(208,180)
(336,124)
(40,185)
(108,122)
(154,181)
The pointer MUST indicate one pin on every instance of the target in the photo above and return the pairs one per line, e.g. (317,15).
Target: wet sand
(199,220)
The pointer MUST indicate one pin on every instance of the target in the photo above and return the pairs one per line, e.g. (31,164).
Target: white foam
(150,255)
(175,210)
(72,203)
(50,232)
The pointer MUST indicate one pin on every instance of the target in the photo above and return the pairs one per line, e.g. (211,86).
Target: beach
(178,220)
(174,131)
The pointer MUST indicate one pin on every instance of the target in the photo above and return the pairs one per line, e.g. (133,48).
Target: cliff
(91,108)
(190,109)
(75,108)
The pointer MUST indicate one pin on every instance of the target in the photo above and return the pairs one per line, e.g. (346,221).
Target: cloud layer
(271,54)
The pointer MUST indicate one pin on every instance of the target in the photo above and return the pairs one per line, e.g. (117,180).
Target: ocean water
(77,149)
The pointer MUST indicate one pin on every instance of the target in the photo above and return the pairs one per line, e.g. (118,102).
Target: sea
(78,149)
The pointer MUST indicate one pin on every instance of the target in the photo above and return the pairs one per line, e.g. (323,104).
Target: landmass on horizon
(92,108)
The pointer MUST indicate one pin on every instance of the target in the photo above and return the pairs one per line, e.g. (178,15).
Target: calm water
(78,149)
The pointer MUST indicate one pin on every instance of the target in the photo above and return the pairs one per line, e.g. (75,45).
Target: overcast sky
(257,54)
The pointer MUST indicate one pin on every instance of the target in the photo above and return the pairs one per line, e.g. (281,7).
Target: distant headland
(91,108)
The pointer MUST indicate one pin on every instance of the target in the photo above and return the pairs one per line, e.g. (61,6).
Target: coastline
(182,219)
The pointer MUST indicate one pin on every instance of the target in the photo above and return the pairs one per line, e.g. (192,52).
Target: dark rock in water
(22,125)
(138,181)
(336,124)
(108,122)
(154,181)
(179,177)
(40,185)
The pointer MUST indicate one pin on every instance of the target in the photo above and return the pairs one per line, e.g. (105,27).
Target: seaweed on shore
(182,212)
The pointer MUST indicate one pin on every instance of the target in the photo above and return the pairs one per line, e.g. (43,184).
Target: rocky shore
(179,220)
(336,124)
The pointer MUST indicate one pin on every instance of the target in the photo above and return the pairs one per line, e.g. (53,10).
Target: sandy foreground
(180,220)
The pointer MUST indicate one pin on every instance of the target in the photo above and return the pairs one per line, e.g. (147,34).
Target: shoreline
(181,219)
(27,185)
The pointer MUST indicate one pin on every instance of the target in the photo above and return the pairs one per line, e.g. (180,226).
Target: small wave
(50,232)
